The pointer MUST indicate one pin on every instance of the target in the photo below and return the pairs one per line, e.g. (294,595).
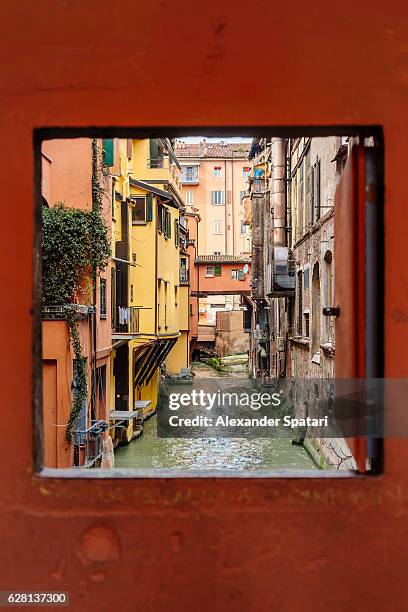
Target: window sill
(300,341)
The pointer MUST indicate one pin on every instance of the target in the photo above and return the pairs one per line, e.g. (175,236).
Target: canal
(149,451)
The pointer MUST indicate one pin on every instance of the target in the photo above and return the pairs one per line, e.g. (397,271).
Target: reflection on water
(149,451)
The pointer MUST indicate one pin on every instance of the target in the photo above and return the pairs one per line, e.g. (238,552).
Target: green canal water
(148,451)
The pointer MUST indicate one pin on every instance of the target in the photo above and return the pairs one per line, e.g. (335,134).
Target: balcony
(58,313)
(88,444)
(190,175)
(125,321)
(155,162)
(184,276)
(283,274)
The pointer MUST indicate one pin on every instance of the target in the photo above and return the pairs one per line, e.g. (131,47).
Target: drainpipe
(279,191)
(225,205)
(232,206)
(155,269)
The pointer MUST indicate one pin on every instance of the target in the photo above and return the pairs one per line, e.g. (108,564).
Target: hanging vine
(75,245)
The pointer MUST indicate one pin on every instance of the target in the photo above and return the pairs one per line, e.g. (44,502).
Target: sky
(194,139)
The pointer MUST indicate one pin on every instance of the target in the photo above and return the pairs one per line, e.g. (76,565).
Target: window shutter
(149,207)
(217,270)
(107,151)
(154,148)
(129,146)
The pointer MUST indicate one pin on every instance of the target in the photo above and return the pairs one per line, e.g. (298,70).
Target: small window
(234,274)
(217,226)
(216,252)
(209,271)
(306,324)
(160,218)
(217,198)
(306,278)
(189,196)
(245,171)
(102,298)
(189,174)
(138,210)
(217,270)
(217,171)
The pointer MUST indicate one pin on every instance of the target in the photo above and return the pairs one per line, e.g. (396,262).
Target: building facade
(69,175)
(151,295)
(133,316)
(214,182)
(290,207)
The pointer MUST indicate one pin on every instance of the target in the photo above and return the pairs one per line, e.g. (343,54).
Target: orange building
(214,183)
(67,177)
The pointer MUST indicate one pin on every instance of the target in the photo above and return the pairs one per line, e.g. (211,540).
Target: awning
(148,187)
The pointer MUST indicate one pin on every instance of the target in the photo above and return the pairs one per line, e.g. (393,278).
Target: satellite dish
(245,269)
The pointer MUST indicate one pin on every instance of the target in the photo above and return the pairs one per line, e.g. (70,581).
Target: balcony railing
(51,313)
(259,185)
(190,178)
(155,162)
(184,276)
(126,320)
(88,444)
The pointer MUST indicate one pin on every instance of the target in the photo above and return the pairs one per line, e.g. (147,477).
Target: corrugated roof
(201,150)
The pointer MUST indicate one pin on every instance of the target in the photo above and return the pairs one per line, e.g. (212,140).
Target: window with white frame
(217,226)
(217,171)
(189,174)
(217,198)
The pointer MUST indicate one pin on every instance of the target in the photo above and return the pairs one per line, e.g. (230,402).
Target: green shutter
(169,225)
(108,153)
(149,207)
(217,270)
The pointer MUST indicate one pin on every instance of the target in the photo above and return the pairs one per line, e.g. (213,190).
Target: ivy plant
(75,249)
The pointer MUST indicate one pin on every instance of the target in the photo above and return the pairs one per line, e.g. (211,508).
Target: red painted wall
(224,282)
(280,544)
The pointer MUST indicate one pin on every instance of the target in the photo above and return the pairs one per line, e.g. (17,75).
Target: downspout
(95,177)
(225,205)
(232,205)
(155,268)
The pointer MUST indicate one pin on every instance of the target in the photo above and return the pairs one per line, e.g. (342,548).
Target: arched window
(316,308)
(328,295)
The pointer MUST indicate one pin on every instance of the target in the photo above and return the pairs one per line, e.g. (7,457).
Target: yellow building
(150,309)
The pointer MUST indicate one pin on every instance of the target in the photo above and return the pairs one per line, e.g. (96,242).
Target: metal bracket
(331,311)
